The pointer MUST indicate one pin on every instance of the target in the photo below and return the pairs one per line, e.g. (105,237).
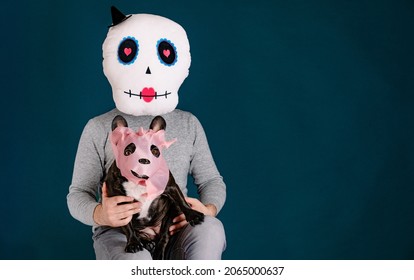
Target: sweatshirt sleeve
(209,182)
(87,173)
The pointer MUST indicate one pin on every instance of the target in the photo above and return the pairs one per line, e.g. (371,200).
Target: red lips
(148,94)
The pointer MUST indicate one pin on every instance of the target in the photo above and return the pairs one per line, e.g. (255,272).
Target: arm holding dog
(210,184)
(180,221)
(115,211)
(87,173)
(208,209)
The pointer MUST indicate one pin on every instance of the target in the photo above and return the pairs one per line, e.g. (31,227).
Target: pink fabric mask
(139,157)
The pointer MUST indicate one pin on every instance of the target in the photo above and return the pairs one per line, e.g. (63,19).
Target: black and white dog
(140,171)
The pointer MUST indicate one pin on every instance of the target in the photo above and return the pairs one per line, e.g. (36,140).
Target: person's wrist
(97,214)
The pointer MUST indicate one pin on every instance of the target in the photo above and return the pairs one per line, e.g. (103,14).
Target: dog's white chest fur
(140,194)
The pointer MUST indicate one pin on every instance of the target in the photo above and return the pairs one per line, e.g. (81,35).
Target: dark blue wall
(308,107)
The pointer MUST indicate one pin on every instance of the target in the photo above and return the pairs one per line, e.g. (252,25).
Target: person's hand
(115,211)
(180,221)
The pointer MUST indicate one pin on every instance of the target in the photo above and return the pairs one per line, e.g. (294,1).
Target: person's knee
(208,240)
(216,226)
(110,245)
(212,231)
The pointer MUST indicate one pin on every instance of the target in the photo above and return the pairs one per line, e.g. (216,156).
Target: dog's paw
(195,218)
(133,247)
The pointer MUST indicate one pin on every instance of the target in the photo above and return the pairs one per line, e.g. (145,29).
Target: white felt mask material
(146,59)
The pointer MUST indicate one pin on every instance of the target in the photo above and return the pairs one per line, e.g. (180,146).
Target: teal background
(308,107)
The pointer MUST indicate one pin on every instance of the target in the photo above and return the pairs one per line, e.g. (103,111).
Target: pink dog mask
(139,157)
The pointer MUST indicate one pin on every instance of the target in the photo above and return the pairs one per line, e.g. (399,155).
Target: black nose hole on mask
(144,161)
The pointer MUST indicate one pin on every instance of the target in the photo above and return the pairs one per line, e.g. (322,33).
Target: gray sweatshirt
(190,154)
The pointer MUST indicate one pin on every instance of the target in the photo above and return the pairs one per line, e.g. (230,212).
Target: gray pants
(206,241)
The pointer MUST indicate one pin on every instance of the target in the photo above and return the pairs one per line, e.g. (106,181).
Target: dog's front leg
(192,216)
(134,243)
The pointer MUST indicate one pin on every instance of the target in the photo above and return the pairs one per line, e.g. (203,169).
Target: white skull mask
(146,59)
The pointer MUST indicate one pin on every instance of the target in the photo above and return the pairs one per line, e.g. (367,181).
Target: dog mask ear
(158,126)
(118,134)
(119,121)
(158,123)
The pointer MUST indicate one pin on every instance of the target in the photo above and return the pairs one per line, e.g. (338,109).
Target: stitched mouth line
(130,93)
(145,177)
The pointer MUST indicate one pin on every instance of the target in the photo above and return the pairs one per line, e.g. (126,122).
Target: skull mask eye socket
(129,150)
(155,151)
(128,50)
(167,52)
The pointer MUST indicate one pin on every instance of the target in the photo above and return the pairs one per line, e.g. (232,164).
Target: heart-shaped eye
(128,50)
(167,53)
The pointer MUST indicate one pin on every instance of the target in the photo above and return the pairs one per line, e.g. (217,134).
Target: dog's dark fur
(162,211)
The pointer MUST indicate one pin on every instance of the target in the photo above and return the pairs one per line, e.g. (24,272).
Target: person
(145,66)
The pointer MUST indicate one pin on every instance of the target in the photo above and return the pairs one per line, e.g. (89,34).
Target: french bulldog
(140,171)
